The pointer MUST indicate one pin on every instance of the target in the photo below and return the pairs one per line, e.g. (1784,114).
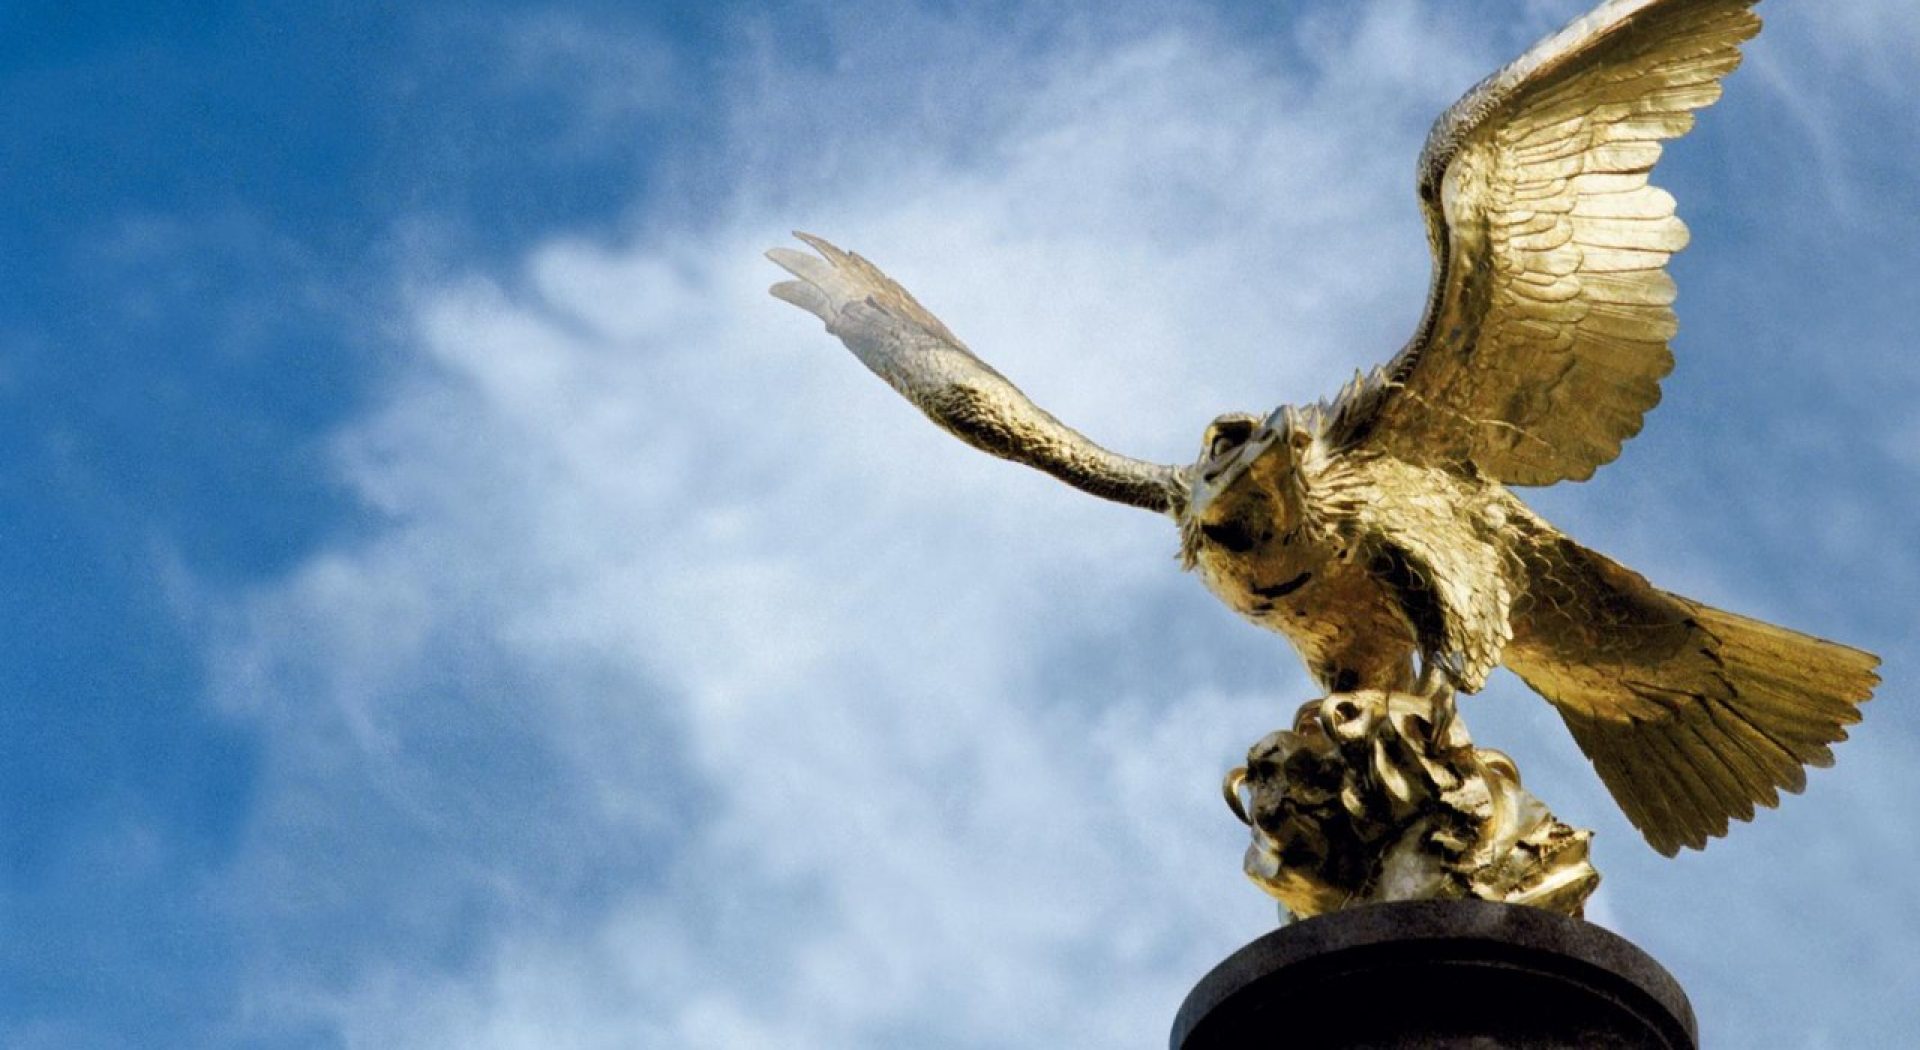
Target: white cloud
(712,698)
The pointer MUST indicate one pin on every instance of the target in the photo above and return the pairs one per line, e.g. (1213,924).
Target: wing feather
(903,343)
(1545,335)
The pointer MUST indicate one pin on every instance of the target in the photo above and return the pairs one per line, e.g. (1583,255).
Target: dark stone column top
(1460,973)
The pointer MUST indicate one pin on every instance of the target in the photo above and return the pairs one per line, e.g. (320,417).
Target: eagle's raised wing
(1545,334)
(904,344)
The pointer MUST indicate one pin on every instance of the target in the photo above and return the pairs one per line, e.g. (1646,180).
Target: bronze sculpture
(1377,528)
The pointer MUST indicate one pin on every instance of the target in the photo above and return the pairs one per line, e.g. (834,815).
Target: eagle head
(1246,487)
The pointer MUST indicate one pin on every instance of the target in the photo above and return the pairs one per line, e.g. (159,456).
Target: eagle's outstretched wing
(907,346)
(1545,334)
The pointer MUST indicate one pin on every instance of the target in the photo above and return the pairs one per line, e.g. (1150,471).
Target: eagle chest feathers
(1361,561)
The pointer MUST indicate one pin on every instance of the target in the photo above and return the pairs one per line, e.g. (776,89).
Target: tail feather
(1738,716)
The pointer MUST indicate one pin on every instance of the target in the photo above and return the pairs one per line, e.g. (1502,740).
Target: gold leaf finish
(1375,531)
(1545,337)
(1378,796)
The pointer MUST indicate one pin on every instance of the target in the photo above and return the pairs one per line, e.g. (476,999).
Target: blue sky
(452,604)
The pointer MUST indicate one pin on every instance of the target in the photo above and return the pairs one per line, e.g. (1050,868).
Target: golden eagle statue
(1379,527)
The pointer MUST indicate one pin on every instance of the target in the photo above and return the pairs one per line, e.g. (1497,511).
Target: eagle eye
(1225,435)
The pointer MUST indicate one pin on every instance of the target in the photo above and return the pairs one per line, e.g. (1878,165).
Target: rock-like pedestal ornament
(1440,901)
(1377,796)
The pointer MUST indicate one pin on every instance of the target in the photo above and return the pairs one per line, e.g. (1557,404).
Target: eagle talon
(1230,789)
(1437,688)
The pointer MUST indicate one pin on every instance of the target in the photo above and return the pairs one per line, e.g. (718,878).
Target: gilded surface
(1376,531)
(1382,797)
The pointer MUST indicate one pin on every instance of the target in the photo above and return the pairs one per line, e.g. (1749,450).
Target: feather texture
(1545,335)
(1692,715)
(903,343)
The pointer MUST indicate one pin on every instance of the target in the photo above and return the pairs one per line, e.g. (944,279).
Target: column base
(1452,973)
